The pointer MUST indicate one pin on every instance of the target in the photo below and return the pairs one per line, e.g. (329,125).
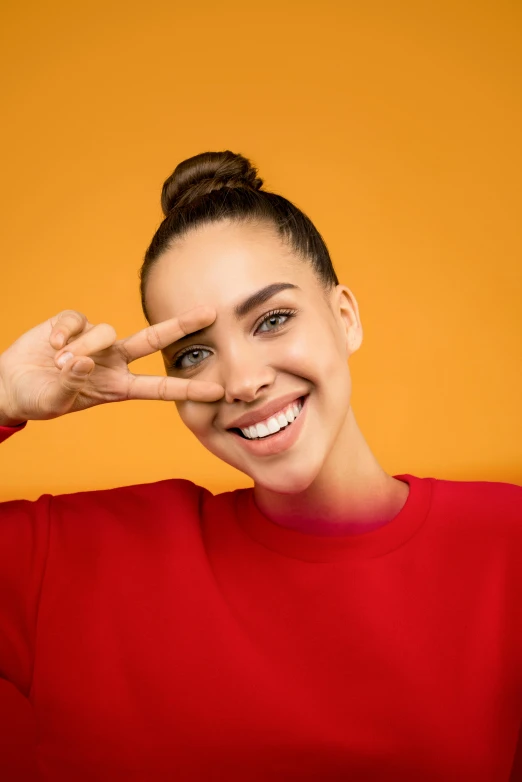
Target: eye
(188,353)
(274,315)
(196,350)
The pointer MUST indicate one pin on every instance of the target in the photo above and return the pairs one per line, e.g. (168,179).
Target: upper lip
(254,416)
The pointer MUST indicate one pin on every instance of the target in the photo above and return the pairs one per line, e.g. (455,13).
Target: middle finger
(161,335)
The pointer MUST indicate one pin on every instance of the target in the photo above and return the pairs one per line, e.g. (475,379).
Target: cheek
(315,353)
(196,416)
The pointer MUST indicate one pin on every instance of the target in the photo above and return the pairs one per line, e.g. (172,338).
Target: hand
(33,386)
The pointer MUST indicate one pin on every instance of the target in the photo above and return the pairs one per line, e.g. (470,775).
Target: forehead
(220,264)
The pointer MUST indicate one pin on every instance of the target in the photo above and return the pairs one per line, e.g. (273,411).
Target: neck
(351,494)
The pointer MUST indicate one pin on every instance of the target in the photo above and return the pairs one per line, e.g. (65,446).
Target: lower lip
(281,441)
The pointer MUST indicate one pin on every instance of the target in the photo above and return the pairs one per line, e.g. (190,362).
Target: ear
(346,309)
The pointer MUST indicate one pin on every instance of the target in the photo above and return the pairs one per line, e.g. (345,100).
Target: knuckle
(74,314)
(122,348)
(162,389)
(70,384)
(130,385)
(103,334)
(107,328)
(153,337)
(97,338)
(70,319)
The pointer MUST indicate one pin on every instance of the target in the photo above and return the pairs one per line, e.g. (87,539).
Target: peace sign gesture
(35,385)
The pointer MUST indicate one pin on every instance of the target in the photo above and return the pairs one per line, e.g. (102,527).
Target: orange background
(396,126)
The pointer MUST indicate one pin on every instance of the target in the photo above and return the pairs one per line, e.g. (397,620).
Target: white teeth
(275,423)
(262,430)
(281,420)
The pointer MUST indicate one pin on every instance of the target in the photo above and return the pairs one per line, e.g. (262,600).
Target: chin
(290,487)
(284,475)
(286,478)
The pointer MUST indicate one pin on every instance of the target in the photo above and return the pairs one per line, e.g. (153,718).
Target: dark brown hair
(215,186)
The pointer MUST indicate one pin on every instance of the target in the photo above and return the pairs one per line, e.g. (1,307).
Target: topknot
(200,175)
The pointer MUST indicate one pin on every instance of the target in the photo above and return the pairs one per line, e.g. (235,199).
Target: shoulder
(481,496)
(173,493)
(484,507)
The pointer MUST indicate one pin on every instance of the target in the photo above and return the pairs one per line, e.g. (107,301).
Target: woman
(332,623)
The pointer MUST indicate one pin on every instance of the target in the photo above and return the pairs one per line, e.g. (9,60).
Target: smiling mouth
(237,431)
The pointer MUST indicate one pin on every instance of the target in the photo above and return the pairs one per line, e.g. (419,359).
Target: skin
(328,482)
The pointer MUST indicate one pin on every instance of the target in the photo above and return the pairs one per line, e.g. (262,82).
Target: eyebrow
(243,308)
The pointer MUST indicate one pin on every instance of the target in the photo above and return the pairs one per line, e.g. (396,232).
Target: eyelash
(288,313)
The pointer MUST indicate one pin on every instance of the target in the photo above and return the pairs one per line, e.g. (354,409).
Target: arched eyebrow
(242,309)
(259,297)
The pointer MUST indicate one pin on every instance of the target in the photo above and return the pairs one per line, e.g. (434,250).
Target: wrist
(6,421)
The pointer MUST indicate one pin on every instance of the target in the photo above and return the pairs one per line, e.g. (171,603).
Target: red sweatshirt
(163,633)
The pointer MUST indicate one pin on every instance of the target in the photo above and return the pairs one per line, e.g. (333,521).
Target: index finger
(173,389)
(160,335)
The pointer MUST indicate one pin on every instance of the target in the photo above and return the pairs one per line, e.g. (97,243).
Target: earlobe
(354,340)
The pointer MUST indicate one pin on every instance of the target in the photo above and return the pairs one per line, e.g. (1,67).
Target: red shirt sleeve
(24,544)
(7,431)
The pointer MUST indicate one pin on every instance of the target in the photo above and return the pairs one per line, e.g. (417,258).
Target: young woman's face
(262,357)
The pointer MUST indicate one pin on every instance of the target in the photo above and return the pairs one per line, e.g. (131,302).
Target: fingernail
(63,358)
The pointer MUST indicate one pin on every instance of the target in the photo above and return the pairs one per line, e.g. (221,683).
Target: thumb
(74,373)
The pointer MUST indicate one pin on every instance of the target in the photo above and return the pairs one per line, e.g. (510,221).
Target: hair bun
(199,175)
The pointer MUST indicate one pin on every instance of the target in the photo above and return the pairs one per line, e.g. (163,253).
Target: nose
(245,375)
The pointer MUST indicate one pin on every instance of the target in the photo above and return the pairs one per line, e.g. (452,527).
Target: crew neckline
(355,546)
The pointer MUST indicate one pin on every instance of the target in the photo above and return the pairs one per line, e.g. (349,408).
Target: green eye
(274,316)
(177,364)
